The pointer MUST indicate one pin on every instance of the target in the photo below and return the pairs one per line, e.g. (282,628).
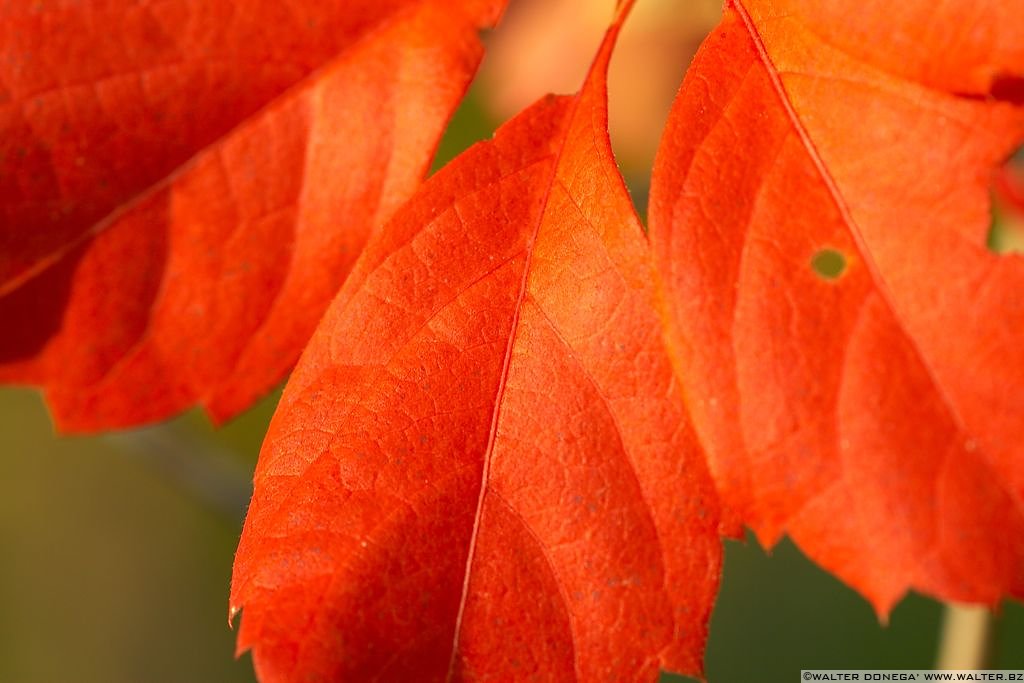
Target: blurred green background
(116,550)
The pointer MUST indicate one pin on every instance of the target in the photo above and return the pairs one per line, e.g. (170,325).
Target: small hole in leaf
(829,263)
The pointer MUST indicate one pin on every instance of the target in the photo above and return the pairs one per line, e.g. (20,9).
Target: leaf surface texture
(186,184)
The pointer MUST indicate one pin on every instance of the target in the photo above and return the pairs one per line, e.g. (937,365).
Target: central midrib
(500,394)
(862,248)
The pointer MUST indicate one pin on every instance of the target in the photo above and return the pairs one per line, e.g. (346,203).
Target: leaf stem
(196,467)
(966,639)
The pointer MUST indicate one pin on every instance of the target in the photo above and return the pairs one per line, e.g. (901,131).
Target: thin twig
(966,640)
(198,468)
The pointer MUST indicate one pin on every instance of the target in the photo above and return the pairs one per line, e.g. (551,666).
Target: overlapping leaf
(184,185)
(875,414)
(481,468)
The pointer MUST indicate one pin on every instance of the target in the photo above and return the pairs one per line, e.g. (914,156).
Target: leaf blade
(544,390)
(832,448)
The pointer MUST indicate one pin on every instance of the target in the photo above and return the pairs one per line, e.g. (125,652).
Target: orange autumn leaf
(481,468)
(872,410)
(186,184)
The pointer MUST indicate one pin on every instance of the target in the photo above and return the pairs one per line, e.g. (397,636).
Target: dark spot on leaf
(1008,88)
(1004,87)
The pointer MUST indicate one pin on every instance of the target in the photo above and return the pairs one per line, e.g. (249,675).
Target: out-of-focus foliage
(547,45)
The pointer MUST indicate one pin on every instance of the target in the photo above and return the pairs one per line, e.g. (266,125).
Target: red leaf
(481,467)
(189,182)
(874,416)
